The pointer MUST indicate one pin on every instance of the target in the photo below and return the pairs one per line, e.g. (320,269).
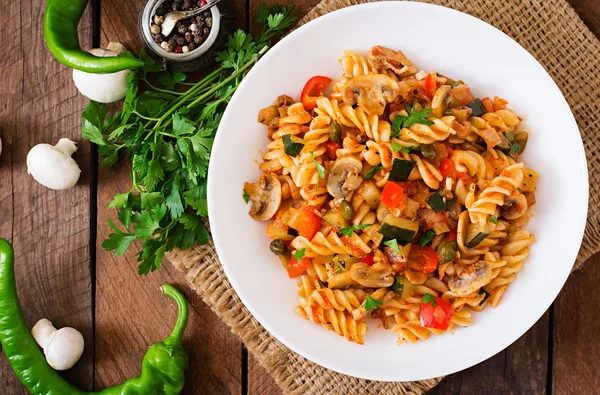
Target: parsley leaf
(118,241)
(299,254)
(397,147)
(427,238)
(510,136)
(413,117)
(370,303)
(348,230)
(245,196)
(516,147)
(394,245)
(338,268)
(372,172)
(429,298)
(494,218)
(320,168)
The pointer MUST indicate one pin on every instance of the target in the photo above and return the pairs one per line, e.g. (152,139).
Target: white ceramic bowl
(456,45)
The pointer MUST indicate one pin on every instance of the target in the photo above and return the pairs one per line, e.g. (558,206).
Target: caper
(278,247)
(335,132)
(346,210)
(428,151)
(447,251)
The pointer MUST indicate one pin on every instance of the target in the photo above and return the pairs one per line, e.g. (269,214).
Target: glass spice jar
(205,36)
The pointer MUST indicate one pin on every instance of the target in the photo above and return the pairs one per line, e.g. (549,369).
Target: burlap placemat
(554,34)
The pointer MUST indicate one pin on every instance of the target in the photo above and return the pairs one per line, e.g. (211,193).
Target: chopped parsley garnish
(427,238)
(320,168)
(510,136)
(338,268)
(372,172)
(516,147)
(494,218)
(370,303)
(349,229)
(299,254)
(393,244)
(429,298)
(245,196)
(397,147)
(403,121)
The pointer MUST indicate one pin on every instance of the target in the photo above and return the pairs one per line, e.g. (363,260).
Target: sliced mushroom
(514,206)
(265,196)
(385,58)
(371,92)
(470,278)
(397,261)
(341,281)
(284,100)
(438,104)
(266,115)
(366,276)
(415,277)
(344,176)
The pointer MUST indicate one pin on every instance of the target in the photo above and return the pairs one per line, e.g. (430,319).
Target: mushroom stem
(66,146)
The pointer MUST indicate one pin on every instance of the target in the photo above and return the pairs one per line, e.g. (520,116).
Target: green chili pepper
(162,368)
(60,32)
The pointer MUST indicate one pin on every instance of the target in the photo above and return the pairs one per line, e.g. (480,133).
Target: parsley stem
(160,89)
(143,116)
(169,135)
(205,81)
(228,79)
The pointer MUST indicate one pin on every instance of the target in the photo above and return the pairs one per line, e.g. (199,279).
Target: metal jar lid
(191,61)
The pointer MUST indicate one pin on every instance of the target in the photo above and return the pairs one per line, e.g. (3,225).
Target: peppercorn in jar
(189,33)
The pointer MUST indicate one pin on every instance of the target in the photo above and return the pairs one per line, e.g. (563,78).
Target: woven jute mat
(554,34)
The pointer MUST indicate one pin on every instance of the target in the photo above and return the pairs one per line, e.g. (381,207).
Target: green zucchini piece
(485,298)
(477,107)
(397,287)
(474,242)
(290,147)
(401,169)
(436,202)
(401,229)
(402,287)
(336,219)
(292,232)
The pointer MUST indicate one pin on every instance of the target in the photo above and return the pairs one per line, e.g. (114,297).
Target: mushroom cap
(371,92)
(344,177)
(52,167)
(102,88)
(265,196)
(65,348)
(385,58)
(470,279)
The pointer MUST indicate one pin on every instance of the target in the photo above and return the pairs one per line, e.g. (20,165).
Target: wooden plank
(131,313)
(49,229)
(520,369)
(259,381)
(576,345)
(589,12)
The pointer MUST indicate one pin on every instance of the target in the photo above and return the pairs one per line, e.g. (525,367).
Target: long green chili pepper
(162,368)
(60,31)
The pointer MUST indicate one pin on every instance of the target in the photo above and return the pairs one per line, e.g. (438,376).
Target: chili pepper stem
(176,336)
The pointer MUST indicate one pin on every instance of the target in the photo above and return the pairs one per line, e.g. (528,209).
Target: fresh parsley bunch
(168,133)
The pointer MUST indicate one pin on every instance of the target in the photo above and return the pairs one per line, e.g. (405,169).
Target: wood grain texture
(589,12)
(49,229)
(259,381)
(576,347)
(131,313)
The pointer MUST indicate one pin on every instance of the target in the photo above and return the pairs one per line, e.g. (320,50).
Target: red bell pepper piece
(436,317)
(330,149)
(296,269)
(393,195)
(312,90)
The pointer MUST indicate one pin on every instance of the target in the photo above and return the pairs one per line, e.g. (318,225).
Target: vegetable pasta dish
(394,193)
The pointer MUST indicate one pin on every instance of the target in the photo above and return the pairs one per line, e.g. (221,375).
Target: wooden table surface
(63,274)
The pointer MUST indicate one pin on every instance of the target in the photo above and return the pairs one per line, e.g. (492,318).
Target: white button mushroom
(103,88)
(62,347)
(53,166)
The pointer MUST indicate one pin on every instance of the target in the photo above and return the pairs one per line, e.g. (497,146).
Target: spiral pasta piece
(493,196)
(331,244)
